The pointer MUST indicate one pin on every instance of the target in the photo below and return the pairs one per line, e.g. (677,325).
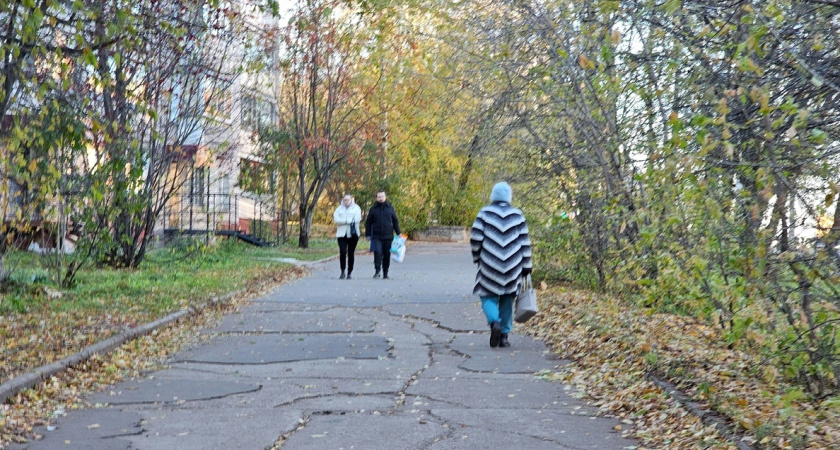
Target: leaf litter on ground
(617,351)
(614,348)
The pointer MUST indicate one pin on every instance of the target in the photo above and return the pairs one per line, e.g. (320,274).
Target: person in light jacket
(501,247)
(347,217)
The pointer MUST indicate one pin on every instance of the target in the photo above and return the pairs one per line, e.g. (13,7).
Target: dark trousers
(347,252)
(381,254)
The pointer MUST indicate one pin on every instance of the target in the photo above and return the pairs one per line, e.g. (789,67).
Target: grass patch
(40,323)
(318,249)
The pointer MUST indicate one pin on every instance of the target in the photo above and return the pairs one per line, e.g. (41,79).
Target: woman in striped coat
(502,249)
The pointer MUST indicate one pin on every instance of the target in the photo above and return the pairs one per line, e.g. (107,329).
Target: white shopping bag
(399,254)
(526,302)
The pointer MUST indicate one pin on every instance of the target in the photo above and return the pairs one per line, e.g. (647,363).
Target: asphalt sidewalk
(323,363)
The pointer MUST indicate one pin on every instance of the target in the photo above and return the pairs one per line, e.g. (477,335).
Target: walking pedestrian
(380,225)
(347,217)
(502,249)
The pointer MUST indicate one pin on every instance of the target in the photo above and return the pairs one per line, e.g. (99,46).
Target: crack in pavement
(413,378)
(122,435)
(454,426)
(416,376)
(276,333)
(334,394)
(399,394)
(426,415)
(436,323)
(285,361)
(467,356)
(302,421)
(181,402)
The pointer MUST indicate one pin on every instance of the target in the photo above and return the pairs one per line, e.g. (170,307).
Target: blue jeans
(499,308)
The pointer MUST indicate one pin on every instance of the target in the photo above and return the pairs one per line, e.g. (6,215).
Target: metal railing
(223,214)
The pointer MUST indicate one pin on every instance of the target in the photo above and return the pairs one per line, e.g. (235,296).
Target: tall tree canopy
(683,153)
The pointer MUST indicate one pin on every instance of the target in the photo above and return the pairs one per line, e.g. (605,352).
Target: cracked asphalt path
(324,363)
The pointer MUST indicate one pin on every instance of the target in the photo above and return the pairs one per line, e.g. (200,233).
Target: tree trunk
(305,226)
(832,238)
(464,177)
(284,200)
(4,274)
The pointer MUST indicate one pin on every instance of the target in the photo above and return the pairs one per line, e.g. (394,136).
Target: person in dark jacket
(380,225)
(502,249)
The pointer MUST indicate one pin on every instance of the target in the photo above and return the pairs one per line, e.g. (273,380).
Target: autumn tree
(159,89)
(31,34)
(758,134)
(39,42)
(436,123)
(680,153)
(115,90)
(324,100)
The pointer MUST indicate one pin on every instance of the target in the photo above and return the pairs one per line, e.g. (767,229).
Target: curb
(38,374)
(326,260)
(709,418)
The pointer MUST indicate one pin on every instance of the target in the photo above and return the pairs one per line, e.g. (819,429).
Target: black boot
(385,275)
(495,333)
(376,275)
(342,276)
(348,275)
(503,340)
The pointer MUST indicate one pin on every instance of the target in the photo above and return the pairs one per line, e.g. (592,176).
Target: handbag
(526,301)
(353,232)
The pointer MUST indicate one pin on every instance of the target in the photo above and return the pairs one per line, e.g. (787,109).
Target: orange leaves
(585,63)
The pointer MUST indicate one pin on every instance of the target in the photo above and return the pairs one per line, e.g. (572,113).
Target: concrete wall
(441,234)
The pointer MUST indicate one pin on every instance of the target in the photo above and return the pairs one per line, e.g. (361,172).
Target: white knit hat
(501,193)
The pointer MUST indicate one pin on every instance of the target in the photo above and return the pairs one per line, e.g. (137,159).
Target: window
(268,113)
(257,112)
(223,200)
(198,184)
(217,100)
(224,184)
(249,110)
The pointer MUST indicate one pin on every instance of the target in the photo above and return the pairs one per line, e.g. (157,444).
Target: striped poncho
(502,248)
